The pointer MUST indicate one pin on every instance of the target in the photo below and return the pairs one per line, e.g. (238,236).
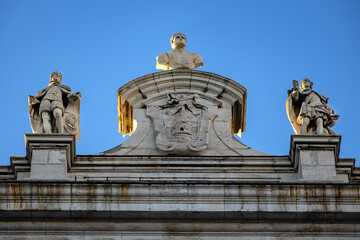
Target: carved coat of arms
(182,125)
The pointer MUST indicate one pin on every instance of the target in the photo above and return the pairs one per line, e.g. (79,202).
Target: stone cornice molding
(161,199)
(200,82)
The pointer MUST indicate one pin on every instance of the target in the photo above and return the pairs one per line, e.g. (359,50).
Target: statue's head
(55,77)
(178,40)
(306,84)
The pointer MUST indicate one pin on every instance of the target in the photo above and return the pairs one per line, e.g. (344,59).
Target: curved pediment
(154,88)
(182,112)
(143,89)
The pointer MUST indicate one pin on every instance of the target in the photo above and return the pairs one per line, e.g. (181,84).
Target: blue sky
(98,46)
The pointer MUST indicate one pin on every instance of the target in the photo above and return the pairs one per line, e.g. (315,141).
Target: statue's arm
(41,93)
(65,89)
(162,61)
(32,100)
(198,60)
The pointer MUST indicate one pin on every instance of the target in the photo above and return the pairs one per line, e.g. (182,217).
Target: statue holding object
(308,110)
(178,58)
(55,109)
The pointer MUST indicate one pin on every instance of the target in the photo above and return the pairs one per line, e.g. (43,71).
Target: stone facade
(208,186)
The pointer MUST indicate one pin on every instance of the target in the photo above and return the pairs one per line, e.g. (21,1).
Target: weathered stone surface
(147,198)
(112,230)
(317,156)
(165,210)
(50,155)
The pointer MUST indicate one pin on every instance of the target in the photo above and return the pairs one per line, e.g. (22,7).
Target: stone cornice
(159,200)
(199,82)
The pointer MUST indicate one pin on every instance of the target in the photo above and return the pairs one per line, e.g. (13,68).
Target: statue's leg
(46,122)
(59,119)
(304,125)
(319,126)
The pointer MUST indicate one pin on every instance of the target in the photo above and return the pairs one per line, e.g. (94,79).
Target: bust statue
(308,110)
(178,58)
(55,109)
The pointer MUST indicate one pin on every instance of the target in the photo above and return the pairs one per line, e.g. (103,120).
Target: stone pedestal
(316,156)
(50,155)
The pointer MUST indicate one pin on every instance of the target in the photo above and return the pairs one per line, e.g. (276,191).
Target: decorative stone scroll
(183,124)
(55,109)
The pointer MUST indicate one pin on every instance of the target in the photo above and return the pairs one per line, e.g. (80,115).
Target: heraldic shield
(182,125)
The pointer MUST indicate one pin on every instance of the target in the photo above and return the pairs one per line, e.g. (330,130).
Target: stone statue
(55,109)
(178,58)
(182,125)
(308,110)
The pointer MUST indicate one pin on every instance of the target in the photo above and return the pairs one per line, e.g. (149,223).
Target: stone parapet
(183,168)
(61,149)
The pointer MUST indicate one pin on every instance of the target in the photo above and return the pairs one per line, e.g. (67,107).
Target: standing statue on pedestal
(308,110)
(178,58)
(55,109)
